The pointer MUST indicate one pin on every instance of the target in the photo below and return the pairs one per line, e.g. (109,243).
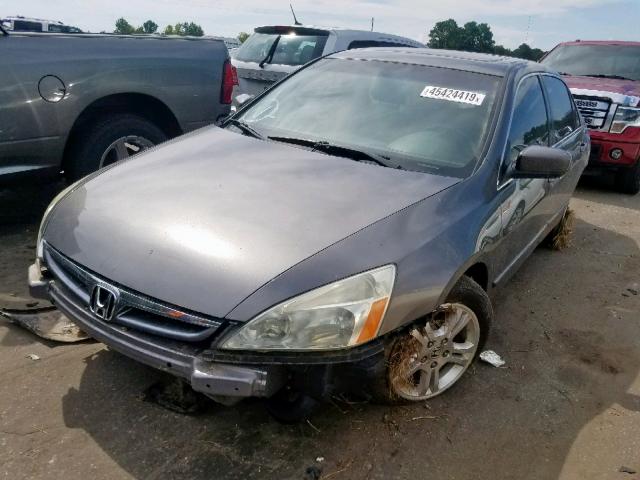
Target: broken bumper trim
(212,379)
(38,284)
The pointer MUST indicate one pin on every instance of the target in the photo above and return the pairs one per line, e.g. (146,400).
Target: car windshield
(282,49)
(612,61)
(418,118)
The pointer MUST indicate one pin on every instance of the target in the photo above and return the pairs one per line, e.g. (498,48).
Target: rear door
(567,133)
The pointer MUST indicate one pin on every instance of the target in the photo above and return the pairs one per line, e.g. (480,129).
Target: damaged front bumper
(226,377)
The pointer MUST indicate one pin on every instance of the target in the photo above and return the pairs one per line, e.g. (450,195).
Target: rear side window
(374,43)
(529,125)
(564,117)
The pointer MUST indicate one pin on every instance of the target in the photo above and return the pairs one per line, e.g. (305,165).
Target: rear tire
(95,146)
(628,179)
(467,294)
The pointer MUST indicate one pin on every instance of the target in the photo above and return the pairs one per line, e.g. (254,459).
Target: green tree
(139,30)
(504,51)
(446,34)
(528,53)
(150,26)
(123,27)
(184,29)
(193,30)
(242,37)
(477,37)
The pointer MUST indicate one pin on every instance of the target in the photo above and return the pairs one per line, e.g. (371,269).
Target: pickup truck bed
(65,98)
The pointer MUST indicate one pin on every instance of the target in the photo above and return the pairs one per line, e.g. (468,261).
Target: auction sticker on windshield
(453,95)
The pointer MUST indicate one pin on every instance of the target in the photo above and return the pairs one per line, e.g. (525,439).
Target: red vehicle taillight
(229,80)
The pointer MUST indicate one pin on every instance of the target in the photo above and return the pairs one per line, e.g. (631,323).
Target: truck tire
(628,179)
(467,298)
(109,139)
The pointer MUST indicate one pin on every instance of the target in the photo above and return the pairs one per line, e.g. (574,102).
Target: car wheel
(111,139)
(435,353)
(290,406)
(628,180)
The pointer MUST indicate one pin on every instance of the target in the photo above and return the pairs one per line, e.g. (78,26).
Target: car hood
(205,220)
(607,86)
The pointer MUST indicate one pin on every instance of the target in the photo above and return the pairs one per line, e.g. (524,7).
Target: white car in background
(273,52)
(26,24)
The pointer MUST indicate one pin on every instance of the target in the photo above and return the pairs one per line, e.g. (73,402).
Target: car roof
(468,61)
(602,42)
(346,32)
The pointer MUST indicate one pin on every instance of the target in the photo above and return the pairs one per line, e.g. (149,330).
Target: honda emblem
(103,302)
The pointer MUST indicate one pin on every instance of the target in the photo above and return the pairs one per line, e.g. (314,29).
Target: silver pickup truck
(76,103)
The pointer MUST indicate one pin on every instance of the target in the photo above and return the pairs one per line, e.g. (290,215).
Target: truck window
(564,117)
(529,125)
(25,26)
(612,61)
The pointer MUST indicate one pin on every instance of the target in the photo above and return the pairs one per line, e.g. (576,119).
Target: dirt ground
(567,404)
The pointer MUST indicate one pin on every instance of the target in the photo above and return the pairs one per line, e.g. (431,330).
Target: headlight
(625,117)
(342,314)
(45,217)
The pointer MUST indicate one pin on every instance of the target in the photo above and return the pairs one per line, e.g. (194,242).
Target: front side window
(419,118)
(529,124)
(564,117)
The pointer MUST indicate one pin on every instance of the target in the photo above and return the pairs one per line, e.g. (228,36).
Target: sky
(541,23)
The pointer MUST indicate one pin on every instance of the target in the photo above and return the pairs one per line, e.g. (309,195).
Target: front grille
(594,110)
(131,309)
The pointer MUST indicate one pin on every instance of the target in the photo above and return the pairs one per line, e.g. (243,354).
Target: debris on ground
(628,470)
(47,323)
(320,459)
(492,358)
(33,356)
(562,238)
(632,291)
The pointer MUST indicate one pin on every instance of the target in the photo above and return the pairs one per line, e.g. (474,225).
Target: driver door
(524,208)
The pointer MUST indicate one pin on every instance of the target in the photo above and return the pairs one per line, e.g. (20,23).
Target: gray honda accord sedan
(342,232)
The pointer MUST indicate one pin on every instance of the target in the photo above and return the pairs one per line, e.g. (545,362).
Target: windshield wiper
(272,51)
(245,128)
(614,77)
(339,151)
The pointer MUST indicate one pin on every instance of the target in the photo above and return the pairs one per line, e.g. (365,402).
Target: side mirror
(541,162)
(243,98)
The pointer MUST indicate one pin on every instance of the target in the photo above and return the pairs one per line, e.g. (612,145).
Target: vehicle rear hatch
(272,53)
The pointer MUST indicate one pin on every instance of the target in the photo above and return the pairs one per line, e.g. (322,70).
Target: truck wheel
(628,179)
(111,139)
(435,353)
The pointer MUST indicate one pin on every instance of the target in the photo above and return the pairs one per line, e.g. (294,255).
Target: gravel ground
(567,404)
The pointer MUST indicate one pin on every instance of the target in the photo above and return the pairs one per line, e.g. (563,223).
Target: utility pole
(526,37)
(372,22)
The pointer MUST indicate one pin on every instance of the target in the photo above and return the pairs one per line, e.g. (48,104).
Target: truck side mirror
(541,162)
